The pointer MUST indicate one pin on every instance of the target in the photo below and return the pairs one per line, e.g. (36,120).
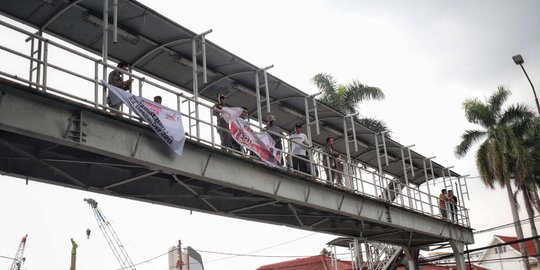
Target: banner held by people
(259,142)
(167,123)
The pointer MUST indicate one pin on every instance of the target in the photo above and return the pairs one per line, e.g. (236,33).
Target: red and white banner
(259,142)
(167,123)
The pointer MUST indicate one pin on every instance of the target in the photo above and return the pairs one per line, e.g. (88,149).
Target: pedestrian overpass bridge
(55,127)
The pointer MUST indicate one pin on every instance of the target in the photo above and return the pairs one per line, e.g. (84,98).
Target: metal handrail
(354,175)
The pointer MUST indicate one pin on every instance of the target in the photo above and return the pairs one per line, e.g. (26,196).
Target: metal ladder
(258,85)
(407,157)
(382,160)
(429,174)
(35,66)
(193,114)
(198,47)
(307,111)
(447,177)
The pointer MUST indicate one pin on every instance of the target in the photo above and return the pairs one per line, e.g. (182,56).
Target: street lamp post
(519,61)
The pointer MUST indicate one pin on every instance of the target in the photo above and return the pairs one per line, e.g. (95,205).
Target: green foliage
(507,139)
(346,98)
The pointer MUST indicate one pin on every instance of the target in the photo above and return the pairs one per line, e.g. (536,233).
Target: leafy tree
(345,98)
(501,154)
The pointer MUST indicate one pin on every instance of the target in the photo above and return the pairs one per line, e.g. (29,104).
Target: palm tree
(528,168)
(345,98)
(496,157)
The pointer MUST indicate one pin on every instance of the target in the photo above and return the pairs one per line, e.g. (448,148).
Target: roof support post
(258,86)
(378,150)
(346,134)
(115,21)
(447,185)
(105,44)
(405,174)
(194,66)
(427,177)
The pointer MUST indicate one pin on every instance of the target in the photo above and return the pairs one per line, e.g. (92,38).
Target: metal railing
(83,82)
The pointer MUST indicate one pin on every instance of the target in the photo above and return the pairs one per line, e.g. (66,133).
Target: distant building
(319,262)
(508,257)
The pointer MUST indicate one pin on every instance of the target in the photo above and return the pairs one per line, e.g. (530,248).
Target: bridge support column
(412,253)
(457,247)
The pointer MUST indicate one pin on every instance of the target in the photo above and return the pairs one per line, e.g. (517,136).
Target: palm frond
(484,168)
(497,99)
(478,113)
(467,140)
(374,124)
(326,83)
(521,116)
(357,92)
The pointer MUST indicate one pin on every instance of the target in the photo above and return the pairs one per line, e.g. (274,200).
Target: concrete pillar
(412,253)
(457,247)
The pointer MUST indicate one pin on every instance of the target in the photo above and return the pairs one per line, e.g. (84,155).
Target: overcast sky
(427,57)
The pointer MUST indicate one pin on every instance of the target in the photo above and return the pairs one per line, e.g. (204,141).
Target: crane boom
(110,235)
(74,247)
(19,259)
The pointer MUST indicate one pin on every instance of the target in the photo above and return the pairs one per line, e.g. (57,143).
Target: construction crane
(18,260)
(74,247)
(110,235)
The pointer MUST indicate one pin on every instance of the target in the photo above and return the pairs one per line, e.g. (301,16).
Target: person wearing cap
(116,78)
(158,99)
(223,126)
(299,145)
(274,132)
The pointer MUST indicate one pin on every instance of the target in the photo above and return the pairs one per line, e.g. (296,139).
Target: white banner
(167,123)
(259,142)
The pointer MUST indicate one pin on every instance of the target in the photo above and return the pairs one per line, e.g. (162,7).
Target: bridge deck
(123,157)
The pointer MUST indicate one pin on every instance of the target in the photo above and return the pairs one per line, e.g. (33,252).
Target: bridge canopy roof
(158,47)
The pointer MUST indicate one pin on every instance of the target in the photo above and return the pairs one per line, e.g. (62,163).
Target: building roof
(319,262)
(446,267)
(529,245)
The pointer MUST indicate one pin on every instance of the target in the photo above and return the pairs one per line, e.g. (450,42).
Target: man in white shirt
(299,146)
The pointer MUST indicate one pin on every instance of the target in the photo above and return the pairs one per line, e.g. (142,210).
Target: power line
(5,257)
(523,221)
(232,255)
(438,258)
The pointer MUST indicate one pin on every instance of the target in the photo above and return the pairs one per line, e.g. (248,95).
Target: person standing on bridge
(299,145)
(222,125)
(158,99)
(116,78)
(452,203)
(332,162)
(275,131)
(443,200)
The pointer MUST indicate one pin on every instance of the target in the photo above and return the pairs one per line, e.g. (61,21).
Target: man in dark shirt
(333,166)
(275,131)
(453,202)
(223,126)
